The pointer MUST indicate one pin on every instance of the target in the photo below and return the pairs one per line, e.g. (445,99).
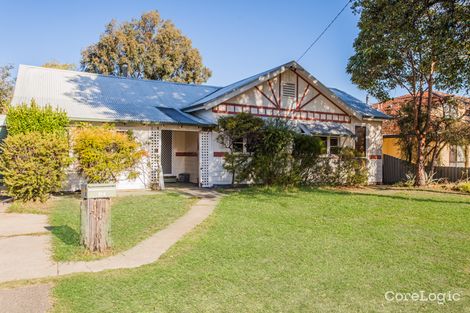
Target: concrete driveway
(24,246)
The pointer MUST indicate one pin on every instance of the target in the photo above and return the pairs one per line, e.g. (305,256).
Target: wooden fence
(395,170)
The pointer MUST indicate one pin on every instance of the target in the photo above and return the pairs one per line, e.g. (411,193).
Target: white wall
(184,141)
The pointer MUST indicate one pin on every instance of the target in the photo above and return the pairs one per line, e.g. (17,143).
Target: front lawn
(133,219)
(308,251)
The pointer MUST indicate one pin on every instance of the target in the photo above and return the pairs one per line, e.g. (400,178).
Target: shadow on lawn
(265,193)
(66,234)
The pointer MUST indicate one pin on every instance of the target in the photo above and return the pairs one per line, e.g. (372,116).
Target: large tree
(149,47)
(6,86)
(416,45)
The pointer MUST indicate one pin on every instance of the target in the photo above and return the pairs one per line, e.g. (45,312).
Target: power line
(326,28)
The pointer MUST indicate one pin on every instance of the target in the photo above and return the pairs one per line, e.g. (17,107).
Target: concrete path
(12,224)
(24,246)
(27,257)
(29,299)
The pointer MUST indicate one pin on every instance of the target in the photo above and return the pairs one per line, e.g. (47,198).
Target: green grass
(133,219)
(309,251)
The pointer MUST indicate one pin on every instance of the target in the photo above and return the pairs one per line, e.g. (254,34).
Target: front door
(167,152)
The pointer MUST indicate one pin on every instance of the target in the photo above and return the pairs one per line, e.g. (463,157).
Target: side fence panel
(395,170)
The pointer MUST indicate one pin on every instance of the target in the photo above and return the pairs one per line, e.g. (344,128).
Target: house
(452,156)
(175,122)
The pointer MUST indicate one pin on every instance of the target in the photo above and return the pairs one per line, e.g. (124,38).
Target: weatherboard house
(175,122)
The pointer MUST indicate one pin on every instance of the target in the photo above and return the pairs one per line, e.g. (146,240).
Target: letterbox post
(95,216)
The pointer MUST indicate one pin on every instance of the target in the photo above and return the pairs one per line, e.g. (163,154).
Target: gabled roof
(93,97)
(236,88)
(345,101)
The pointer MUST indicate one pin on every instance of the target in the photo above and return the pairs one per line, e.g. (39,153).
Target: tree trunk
(95,221)
(420,168)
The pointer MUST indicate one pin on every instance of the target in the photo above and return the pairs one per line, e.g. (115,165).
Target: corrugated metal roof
(180,117)
(86,96)
(358,105)
(326,129)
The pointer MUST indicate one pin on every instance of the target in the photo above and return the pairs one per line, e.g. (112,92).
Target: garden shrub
(35,154)
(272,158)
(274,154)
(26,118)
(103,153)
(306,152)
(351,168)
(33,164)
(235,132)
(463,187)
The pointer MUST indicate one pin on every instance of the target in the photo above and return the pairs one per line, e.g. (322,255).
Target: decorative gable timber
(301,100)
(224,94)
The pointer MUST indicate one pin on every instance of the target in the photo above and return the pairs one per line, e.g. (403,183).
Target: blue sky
(236,38)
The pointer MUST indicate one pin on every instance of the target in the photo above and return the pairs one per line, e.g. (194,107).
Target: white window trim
(328,143)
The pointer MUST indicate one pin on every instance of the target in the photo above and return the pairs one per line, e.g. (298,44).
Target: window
(325,143)
(334,145)
(330,144)
(243,145)
(288,90)
(361,139)
(238,145)
(456,154)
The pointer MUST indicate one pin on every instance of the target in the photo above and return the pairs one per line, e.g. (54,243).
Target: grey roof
(180,117)
(326,129)
(2,119)
(358,105)
(86,96)
(93,97)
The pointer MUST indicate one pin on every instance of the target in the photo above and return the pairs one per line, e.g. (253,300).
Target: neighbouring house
(452,156)
(175,122)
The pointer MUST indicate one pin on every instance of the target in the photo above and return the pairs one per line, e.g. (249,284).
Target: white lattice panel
(204,145)
(155,148)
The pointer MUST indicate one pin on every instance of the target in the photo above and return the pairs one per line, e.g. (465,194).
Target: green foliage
(33,164)
(6,86)
(151,47)
(305,153)
(417,46)
(272,160)
(274,154)
(103,154)
(351,168)
(26,118)
(464,187)
(411,44)
(235,129)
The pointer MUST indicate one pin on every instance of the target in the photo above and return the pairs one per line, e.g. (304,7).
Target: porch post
(204,156)
(156,171)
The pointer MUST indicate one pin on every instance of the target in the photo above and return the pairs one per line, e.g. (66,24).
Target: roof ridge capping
(115,77)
